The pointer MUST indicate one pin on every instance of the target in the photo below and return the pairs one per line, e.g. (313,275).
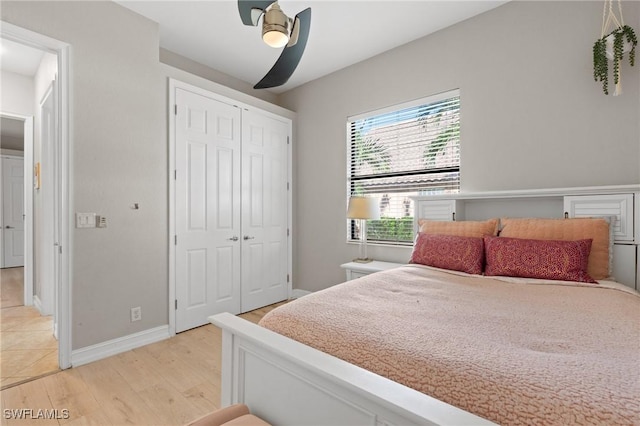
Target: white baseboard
(119,345)
(297,293)
(37,304)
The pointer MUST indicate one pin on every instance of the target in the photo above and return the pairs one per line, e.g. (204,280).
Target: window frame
(427,100)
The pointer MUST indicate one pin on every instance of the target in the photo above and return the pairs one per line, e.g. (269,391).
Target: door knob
(234,238)
(246,237)
(9,227)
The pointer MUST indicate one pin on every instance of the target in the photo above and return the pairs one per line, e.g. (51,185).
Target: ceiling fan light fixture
(275,27)
(278,30)
(275,38)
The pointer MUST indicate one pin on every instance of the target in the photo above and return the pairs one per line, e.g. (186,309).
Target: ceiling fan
(278,30)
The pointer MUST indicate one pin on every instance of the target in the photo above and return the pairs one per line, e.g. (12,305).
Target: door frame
(171,112)
(64,174)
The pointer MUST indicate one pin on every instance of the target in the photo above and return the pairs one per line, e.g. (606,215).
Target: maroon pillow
(464,254)
(546,259)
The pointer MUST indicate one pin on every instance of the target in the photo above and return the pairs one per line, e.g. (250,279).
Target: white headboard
(622,201)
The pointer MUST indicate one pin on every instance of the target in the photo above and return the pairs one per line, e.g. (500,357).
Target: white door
(56,213)
(264,210)
(12,212)
(45,271)
(207,213)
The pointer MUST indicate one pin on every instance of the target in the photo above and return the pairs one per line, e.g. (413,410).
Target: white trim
(290,209)
(11,152)
(65,126)
(48,150)
(119,345)
(177,84)
(47,93)
(36,303)
(530,193)
(174,83)
(636,237)
(65,114)
(297,293)
(171,118)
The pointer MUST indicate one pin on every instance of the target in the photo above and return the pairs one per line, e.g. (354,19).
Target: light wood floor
(27,346)
(12,287)
(167,383)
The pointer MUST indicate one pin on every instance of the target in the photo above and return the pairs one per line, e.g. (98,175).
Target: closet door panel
(207,203)
(264,217)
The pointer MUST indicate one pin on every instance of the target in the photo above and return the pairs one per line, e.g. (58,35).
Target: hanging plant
(613,46)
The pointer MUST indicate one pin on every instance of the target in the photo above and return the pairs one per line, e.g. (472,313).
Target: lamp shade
(363,208)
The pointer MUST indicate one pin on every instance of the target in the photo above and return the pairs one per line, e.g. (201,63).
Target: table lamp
(363,209)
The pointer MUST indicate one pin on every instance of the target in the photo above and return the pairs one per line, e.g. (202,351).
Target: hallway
(28,348)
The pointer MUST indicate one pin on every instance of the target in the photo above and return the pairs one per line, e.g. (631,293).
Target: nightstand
(357,270)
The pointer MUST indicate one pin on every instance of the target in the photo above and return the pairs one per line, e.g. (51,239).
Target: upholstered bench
(234,415)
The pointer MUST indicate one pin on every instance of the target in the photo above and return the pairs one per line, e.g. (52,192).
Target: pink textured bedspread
(509,351)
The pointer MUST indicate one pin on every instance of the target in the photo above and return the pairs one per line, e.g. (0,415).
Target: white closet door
(264,210)
(12,212)
(208,147)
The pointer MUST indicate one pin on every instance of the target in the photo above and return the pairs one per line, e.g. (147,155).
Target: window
(399,152)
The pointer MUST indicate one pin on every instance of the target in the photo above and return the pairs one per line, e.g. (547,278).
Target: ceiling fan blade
(245,8)
(290,56)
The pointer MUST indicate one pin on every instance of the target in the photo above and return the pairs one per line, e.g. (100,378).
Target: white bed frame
(288,383)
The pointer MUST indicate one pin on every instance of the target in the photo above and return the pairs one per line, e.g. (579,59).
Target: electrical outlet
(136,314)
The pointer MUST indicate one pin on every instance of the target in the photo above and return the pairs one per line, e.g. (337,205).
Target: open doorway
(31,329)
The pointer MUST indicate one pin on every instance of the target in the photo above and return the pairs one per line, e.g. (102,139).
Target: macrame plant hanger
(609,23)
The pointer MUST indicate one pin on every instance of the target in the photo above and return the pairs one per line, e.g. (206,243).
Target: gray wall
(532,117)
(119,158)
(119,145)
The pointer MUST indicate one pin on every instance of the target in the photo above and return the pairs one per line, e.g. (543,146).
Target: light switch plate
(85,220)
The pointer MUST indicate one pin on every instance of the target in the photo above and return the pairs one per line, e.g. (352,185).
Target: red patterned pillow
(546,259)
(464,254)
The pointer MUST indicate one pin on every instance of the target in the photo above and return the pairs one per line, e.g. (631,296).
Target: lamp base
(361,260)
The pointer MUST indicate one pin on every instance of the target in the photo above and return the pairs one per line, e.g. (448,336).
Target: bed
(436,342)
(470,341)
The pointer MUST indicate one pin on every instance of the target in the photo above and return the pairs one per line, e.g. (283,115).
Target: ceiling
(342,32)
(19,58)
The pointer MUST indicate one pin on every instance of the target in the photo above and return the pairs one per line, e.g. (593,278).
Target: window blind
(399,152)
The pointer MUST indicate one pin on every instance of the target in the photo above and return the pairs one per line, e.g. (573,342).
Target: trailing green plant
(600,60)
(601,64)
